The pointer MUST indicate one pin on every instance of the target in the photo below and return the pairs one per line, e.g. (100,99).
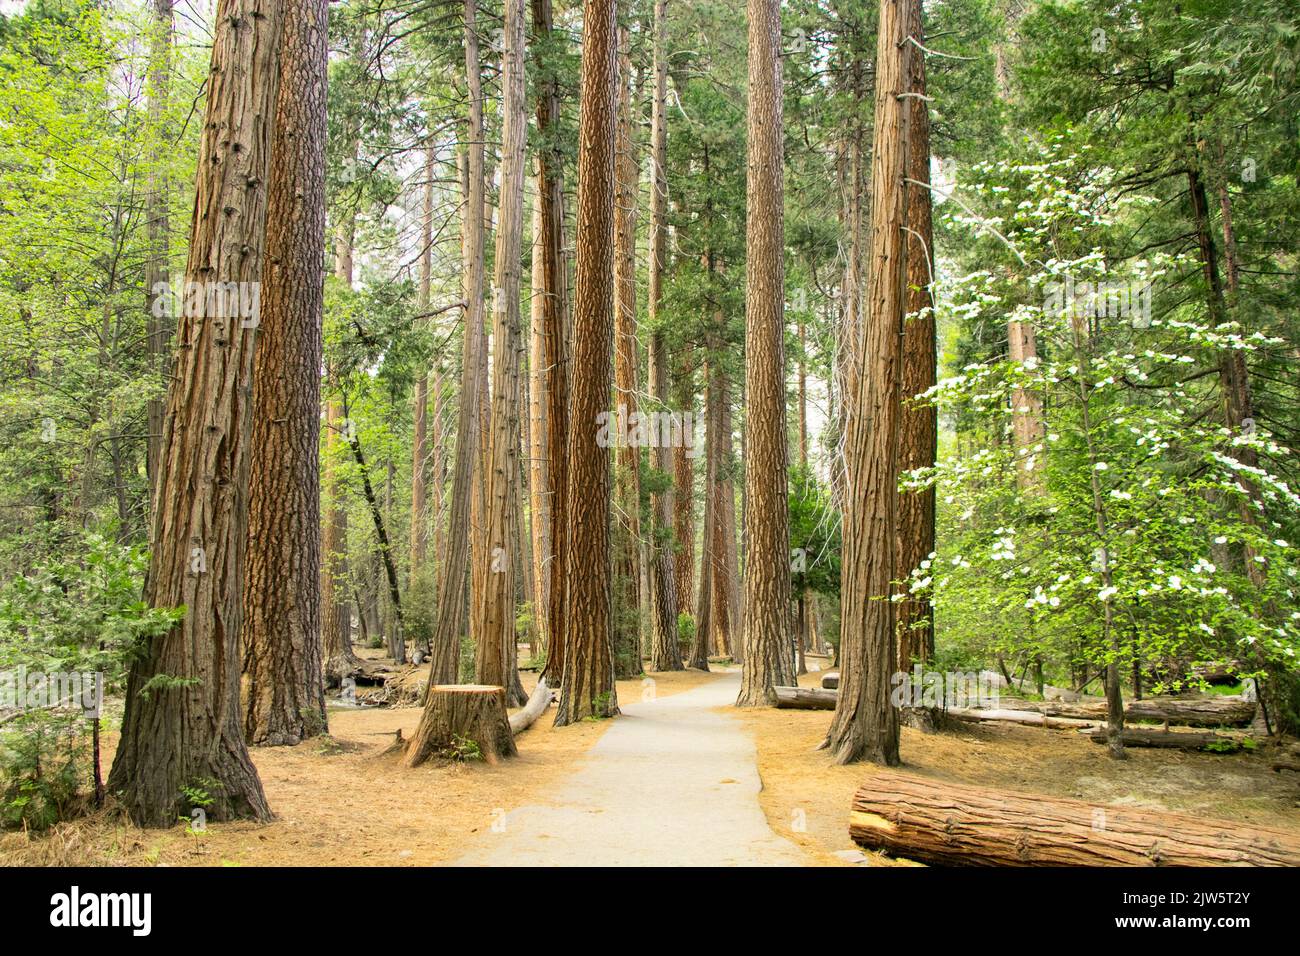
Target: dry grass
(339,801)
(801,785)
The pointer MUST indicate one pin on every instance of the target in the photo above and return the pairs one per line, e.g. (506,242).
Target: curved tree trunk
(767,539)
(587,686)
(181,727)
(282,617)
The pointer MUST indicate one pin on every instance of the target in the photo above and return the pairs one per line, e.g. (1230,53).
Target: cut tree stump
(831,681)
(456,715)
(1162,738)
(949,824)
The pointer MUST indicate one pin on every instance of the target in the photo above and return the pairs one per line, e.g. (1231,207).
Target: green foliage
(42,769)
(685,630)
(461,750)
(814,534)
(1137,509)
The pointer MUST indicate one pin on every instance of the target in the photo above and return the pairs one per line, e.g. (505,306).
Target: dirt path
(671,783)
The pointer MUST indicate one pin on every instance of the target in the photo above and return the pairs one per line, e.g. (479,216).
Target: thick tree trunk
(281,599)
(766,629)
(181,726)
(462,721)
(918,425)
(494,660)
(444,653)
(587,686)
(948,824)
(555,338)
(866,724)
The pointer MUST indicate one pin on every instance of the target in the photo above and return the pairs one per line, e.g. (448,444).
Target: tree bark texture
(587,685)
(181,727)
(281,598)
(766,629)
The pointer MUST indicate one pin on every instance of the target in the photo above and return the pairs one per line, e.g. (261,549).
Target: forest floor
(680,777)
(806,798)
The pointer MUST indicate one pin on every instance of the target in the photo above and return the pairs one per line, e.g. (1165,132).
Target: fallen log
(462,722)
(1031,717)
(1218,743)
(949,824)
(1183,711)
(536,706)
(805,698)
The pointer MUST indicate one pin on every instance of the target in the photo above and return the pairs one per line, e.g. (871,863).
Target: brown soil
(806,798)
(339,801)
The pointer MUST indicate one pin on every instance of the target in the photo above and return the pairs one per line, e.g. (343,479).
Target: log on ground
(1183,711)
(1218,743)
(1032,718)
(805,698)
(949,824)
(538,701)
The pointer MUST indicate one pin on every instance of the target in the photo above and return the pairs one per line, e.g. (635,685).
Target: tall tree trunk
(1027,426)
(722,573)
(336,628)
(699,652)
(395,633)
(181,727)
(918,425)
(665,655)
(684,521)
(555,338)
(865,723)
(848,351)
(627,657)
(766,629)
(420,442)
(157,227)
(444,653)
(587,685)
(281,599)
(538,458)
(494,660)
